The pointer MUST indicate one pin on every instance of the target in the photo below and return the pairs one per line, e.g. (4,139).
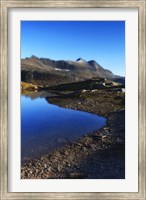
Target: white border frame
(130,184)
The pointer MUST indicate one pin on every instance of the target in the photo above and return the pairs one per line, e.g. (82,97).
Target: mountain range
(44,71)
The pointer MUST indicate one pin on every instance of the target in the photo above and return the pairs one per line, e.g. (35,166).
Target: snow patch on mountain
(65,70)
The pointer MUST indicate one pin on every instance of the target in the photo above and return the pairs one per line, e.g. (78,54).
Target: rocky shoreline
(98,155)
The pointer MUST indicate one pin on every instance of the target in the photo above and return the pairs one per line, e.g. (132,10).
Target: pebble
(76,175)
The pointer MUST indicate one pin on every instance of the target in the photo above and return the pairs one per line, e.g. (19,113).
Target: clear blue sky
(102,41)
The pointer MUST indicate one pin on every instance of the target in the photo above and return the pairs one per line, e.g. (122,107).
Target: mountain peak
(92,61)
(35,57)
(94,64)
(81,60)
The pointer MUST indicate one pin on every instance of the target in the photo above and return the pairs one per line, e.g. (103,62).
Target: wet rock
(79,144)
(85,149)
(104,137)
(96,137)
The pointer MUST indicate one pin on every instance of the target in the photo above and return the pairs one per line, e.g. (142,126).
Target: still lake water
(46,127)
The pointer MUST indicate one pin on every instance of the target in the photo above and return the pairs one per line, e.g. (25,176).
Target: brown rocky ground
(98,155)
